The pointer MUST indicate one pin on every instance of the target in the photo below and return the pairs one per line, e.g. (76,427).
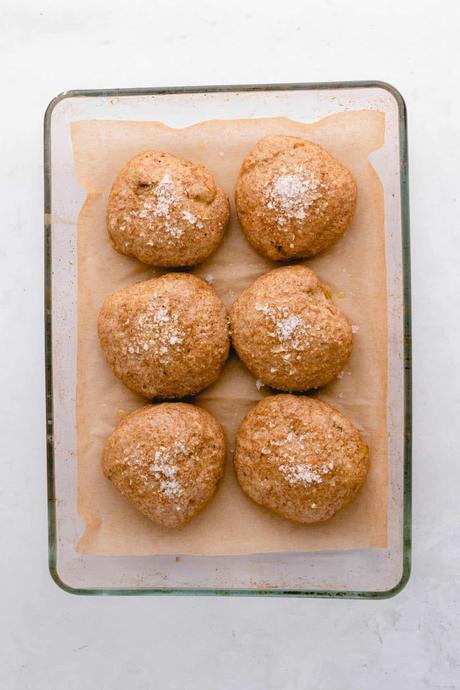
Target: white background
(50,640)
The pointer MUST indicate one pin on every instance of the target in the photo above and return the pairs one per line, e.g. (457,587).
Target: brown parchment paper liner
(354,268)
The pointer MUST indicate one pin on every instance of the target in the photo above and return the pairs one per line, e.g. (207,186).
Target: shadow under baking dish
(367,573)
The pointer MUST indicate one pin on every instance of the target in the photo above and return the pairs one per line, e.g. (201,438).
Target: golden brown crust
(287,331)
(166,460)
(166,337)
(293,198)
(166,211)
(300,458)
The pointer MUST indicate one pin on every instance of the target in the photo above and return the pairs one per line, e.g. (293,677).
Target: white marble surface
(50,640)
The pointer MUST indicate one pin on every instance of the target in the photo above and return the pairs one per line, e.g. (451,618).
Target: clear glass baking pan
(368,573)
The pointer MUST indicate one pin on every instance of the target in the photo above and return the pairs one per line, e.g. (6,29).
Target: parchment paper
(354,268)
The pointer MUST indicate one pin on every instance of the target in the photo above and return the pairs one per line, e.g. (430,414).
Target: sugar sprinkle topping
(286,327)
(162,467)
(192,219)
(291,193)
(301,474)
(165,470)
(291,334)
(293,446)
(160,203)
(165,194)
(289,330)
(156,327)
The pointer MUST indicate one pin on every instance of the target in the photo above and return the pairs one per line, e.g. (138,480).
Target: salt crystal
(292,193)
(175,231)
(264,308)
(286,327)
(301,474)
(192,219)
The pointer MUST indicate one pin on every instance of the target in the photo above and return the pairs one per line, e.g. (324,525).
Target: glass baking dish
(367,573)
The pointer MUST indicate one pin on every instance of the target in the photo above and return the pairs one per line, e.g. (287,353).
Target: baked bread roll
(293,198)
(166,337)
(300,458)
(288,332)
(166,211)
(166,460)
